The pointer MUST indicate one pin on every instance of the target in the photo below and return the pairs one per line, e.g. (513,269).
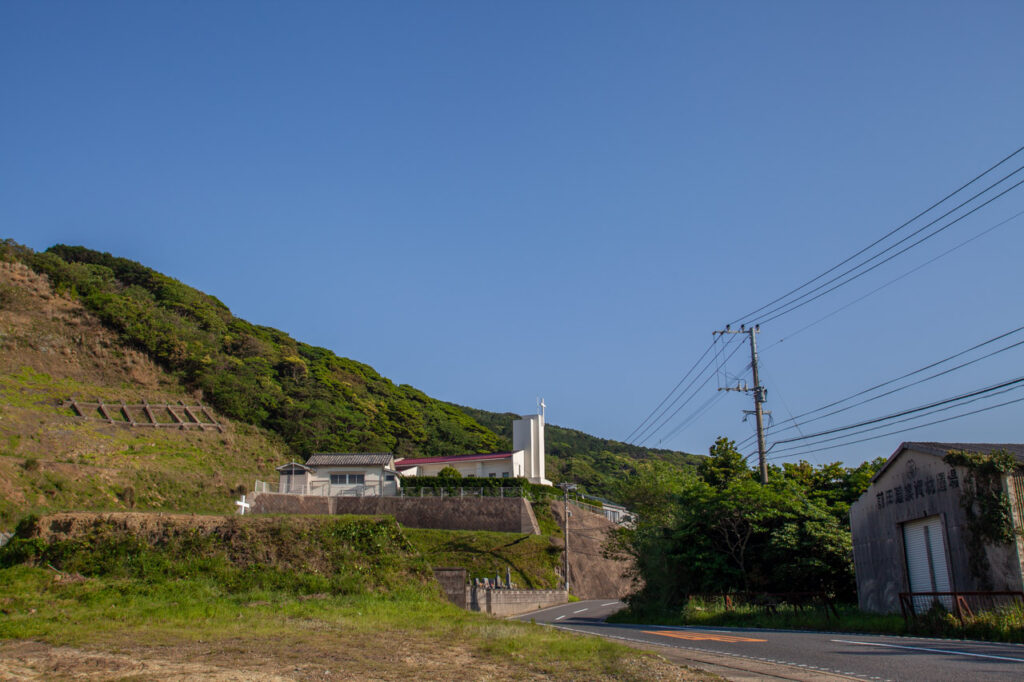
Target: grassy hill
(79,323)
(51,349)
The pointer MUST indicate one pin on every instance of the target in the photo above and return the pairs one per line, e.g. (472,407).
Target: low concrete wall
(512,602)
(453,582)
(506,514)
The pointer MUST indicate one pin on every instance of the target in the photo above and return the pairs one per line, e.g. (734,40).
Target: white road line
(611,603)
(560,618)
(580,611)
(934,651)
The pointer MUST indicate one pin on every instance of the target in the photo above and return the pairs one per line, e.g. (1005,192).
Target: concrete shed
(910,529)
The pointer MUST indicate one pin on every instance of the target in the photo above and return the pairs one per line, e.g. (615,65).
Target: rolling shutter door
(926,561)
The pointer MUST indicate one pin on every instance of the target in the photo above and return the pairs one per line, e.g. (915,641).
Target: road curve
(743,654)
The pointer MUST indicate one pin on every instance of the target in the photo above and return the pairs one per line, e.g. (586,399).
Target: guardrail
(772,602)
(960,604)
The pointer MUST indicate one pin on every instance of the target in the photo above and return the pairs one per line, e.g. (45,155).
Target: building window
(504,474)
(348,479)
(491,475)
(389,477)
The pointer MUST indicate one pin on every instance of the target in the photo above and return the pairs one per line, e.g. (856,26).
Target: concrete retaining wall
(512,602)
(453,582)
(506,514)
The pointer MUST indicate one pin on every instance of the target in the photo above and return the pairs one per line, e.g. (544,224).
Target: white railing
(318,489)
(621,516)
(460,491)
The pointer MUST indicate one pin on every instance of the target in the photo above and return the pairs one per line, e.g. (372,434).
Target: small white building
(337,473)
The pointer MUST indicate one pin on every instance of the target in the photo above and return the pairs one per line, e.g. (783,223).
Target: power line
(679,409)
(881,239)
(647,429)
(903,413)
(778,428)
(897,279)
(674,389)
(784,311)
(892,433)
(944,408)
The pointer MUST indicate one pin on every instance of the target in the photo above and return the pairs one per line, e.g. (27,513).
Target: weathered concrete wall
(914,486)
(512,602)
(506,514)
(281,503)
(453,582)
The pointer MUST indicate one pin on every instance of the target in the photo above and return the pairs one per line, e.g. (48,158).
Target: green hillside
(308,397)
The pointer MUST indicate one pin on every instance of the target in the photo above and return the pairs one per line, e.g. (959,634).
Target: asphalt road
(787,654)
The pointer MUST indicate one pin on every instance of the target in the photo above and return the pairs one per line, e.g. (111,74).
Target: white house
(349,473)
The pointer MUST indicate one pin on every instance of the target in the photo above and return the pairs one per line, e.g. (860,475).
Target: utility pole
(759,391)
(566,487)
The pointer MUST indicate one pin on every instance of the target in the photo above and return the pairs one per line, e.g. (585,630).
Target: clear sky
(499,201)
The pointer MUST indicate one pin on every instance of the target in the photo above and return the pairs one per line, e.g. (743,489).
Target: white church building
(526,459)
(380,474)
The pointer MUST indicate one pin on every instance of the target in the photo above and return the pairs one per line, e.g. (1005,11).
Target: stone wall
(505,514)
(505,603)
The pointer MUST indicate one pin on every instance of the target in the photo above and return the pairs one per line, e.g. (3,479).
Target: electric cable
(921,408)
(781,310)
(679,409)
(898,431)
(647,429)
(692,367)
(905,419)
(884,237)
(780,426)
(896,279)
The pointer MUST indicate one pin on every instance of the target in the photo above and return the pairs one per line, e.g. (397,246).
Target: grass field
(266,598)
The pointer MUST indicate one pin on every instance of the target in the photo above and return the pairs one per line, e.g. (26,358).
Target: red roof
(409,463)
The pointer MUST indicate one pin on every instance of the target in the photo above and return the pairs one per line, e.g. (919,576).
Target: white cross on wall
(242,505)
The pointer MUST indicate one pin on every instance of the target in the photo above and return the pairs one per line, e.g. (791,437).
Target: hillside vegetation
(51,349)
(174,341)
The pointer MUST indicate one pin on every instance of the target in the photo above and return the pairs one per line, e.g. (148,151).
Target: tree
(450,473)
(724,464)
(719,530)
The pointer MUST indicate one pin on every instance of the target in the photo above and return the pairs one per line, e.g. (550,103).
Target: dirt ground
(26,660)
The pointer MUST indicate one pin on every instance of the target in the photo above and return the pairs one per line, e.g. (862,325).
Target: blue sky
(496,201)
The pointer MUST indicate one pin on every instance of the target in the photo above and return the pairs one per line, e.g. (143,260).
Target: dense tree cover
(716,529)
(597,465)
(316,400)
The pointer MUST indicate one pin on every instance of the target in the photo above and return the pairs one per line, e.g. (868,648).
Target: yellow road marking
(686,634)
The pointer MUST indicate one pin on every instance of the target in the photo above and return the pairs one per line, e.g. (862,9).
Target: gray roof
(322,459)
(940,450)
(293,465)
